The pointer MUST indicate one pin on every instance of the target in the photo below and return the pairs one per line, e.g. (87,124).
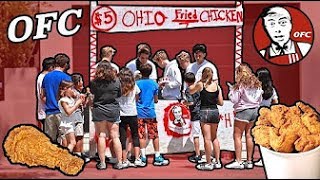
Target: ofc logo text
(43,25)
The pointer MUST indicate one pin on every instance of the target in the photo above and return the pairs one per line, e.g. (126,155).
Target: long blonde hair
(246,78)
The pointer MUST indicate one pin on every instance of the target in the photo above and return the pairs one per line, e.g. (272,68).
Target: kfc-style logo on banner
(177,120)
(283,35)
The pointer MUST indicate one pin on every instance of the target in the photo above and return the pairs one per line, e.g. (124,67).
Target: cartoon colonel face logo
(177,120)
(283,35)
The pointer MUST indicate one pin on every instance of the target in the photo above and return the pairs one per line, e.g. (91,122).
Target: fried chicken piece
(294,110)
(27,145)
(284,142)
(277,115)
(310,118)
(264,116)
(293,123)
(312,122)
(306,108)
(306,143)
(261,135)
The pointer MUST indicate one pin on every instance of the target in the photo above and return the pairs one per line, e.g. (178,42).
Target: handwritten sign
(142,18)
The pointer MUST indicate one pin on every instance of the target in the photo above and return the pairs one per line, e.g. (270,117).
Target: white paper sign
(143,18)
(181,141)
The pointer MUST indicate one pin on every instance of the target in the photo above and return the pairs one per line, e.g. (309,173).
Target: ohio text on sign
(142,18)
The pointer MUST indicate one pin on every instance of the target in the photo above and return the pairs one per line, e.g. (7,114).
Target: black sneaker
(194,159)
(131,158)
(101,166)
(96,158)
(85,158)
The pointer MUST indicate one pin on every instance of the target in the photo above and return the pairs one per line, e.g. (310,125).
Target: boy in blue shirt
(50,89)
(147,116)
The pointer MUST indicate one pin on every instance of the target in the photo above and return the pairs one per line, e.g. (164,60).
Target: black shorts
(195,116)
(209,115)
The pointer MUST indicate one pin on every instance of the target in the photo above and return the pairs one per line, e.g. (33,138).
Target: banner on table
(144,18)
(174,127)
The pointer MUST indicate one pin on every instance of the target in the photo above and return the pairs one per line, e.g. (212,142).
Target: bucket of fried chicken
(289,140)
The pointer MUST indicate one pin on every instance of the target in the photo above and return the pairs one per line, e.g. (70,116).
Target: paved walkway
(179,167)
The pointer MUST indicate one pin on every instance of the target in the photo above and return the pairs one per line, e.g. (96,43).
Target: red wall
(219,41)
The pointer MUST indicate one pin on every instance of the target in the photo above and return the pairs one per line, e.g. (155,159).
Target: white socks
(157,153)
(143,152)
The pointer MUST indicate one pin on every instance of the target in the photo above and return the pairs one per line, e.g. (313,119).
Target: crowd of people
(123,100)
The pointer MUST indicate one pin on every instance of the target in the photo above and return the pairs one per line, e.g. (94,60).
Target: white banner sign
(143,18)
(175,138)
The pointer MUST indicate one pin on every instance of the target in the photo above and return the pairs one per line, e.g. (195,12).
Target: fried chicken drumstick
(27,145)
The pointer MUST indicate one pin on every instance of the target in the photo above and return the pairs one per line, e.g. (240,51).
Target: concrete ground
(178,168)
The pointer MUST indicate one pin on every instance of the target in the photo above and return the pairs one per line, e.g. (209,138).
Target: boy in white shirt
(171,81)
(47,66)
(199,53)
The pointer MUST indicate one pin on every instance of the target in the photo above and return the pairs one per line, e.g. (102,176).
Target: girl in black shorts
(210,97)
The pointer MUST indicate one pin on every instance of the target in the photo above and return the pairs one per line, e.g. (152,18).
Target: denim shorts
(247,115)
(209,115)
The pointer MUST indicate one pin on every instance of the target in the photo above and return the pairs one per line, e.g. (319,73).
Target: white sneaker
(127,164)
(217,164)
(204,159)
(259,163)
(139,163)
(248,165)
(205,166)
(235,165)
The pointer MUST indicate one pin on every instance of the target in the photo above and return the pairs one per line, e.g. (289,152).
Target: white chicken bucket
(302,165)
